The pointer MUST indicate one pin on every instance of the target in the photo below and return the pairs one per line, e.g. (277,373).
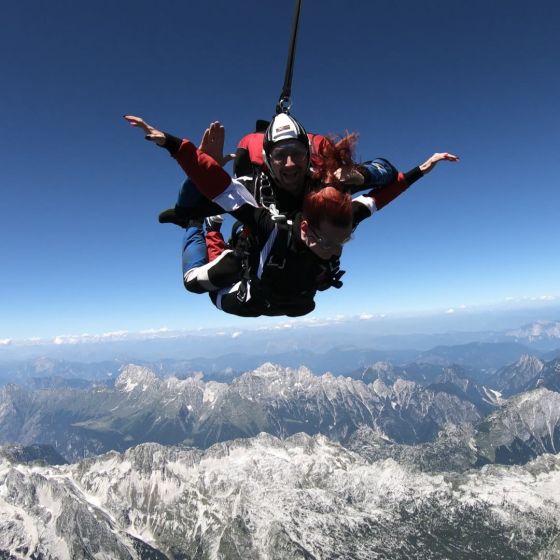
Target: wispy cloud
(456,309)
(162,330)
(370,316)
(81,338)
(280,325)
(521,299)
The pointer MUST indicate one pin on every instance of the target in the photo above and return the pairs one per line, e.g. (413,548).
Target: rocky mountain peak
(44,364)
(454,376)
(538,330)
(526,426)
(135,377)
(380,388)
(273,371)
(521,375)
(529,363)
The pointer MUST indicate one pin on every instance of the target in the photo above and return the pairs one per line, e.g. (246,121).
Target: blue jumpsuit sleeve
(377,173)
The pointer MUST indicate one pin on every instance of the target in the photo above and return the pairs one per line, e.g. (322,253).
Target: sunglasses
(325,243)
(296,151)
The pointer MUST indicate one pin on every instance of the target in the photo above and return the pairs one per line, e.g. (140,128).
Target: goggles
(326,243)
(295,150)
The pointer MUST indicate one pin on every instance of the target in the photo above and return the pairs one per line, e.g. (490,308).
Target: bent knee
(192,282)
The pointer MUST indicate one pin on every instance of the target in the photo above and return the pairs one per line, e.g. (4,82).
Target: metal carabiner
(284,105)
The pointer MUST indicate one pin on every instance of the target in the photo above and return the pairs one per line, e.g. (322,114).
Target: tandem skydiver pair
(294,203)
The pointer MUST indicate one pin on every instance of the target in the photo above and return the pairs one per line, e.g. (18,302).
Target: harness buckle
(278,265)
(275,215)
(242,293)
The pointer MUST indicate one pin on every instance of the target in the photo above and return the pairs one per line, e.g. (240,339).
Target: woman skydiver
(290,259)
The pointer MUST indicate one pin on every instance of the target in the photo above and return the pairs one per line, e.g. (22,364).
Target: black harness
(245,248)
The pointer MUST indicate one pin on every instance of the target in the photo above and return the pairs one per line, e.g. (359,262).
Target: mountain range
(448,452)
(281,401)
(479,361)
(265,498)
(141,407)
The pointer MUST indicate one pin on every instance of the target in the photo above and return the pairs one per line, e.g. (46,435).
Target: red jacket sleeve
(209,177)
(365,205)
(383,196)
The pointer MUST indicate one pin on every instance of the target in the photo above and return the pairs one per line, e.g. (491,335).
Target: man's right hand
(212,143)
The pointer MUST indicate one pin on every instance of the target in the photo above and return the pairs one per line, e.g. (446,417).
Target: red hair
(327,204)
(334,154)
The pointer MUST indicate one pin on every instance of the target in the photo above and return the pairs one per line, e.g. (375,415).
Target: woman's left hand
(152,134)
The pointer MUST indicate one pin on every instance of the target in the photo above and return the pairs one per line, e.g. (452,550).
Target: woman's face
(325,240)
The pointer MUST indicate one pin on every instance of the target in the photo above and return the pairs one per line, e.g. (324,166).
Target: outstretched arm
(208,176)
(212,142)
(380,173)
(201,167)
(365,205)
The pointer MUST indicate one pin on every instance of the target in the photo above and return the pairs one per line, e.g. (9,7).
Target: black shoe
(179,218)
(169,216)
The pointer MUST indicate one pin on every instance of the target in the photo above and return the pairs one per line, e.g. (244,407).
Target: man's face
(326,240)
(289,162)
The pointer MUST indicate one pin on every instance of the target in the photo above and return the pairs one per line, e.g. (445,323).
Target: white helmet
(283,127)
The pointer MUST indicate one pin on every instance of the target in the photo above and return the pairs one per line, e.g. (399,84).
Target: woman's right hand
(430,163)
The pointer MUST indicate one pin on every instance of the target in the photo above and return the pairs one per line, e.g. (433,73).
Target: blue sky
(80,246)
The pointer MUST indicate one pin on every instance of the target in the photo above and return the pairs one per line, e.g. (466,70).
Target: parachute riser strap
(243,251)
(284,102)
(267,199)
